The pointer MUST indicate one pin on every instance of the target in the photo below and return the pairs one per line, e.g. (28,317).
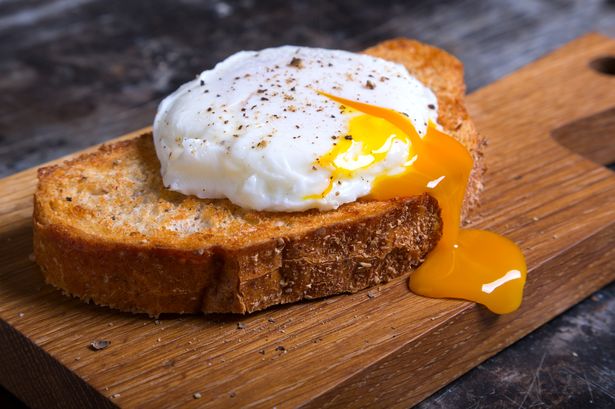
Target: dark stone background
(77,72)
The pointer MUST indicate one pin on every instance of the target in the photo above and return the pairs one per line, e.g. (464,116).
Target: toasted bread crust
(106,230)
(217,279)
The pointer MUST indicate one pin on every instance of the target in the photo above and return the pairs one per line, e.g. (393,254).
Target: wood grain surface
(345,351)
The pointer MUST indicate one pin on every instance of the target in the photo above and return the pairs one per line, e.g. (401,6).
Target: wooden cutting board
(352,350)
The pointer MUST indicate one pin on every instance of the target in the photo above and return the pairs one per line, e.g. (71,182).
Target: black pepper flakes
(348,137)
(69,199)
(296,62)
(369,84)
(202,83)
(431,106)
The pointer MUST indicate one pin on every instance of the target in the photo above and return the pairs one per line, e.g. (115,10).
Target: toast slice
(106,230)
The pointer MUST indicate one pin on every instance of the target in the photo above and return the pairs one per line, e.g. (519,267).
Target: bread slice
(106,230)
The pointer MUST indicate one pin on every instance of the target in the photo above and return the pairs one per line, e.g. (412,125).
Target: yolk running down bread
(475,265)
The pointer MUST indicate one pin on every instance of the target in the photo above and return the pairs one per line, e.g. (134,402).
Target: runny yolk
(474,265)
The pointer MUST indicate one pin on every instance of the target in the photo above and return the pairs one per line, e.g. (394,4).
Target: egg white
(250,130)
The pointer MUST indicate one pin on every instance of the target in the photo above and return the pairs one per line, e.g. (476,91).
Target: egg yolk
(474,265)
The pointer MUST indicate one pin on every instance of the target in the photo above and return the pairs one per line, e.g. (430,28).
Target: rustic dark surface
(78,72)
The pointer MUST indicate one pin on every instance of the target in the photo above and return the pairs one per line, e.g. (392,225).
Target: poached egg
(260,130)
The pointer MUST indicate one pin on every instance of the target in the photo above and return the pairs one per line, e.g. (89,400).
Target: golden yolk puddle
(474,265)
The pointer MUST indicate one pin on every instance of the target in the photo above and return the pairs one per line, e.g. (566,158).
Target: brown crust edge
(157,280)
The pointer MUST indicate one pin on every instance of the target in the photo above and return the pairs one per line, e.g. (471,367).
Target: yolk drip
(474,265)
